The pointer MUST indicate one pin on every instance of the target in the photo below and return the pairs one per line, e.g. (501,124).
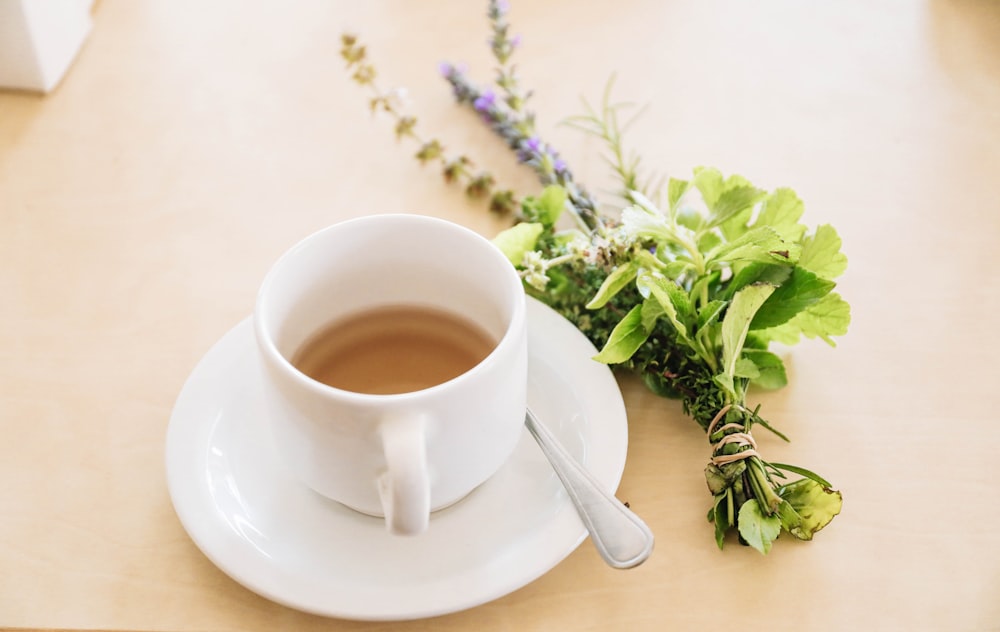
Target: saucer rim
(188,499)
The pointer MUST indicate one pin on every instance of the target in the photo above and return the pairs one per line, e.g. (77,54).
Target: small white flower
(397,98)
(534,270)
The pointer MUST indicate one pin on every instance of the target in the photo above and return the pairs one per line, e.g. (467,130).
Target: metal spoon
(621,537)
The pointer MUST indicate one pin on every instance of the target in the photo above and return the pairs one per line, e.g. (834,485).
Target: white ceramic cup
(406,455)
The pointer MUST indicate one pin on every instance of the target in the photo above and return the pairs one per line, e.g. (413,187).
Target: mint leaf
(518,240)
(758,272)
(781,211)
(830,316)
(821,253)
(770,369)
(551,203)
(638,222)
(815,505)
(802,290)
(615,282)
(757,528)
(651,312)
(710,313)
(736,324)
(746,368)
(675,189)
(708,241)
(674,301)
(789,519)
(710,183)
(732,201)
(760,244)
(734,227)
(627,336)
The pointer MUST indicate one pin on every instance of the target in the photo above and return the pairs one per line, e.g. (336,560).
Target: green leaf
(770,369)
(675,189)
(815,505)
(732,201)
(734,227)
(672,298)
(518,240)
(736,324)
(675,268)
(821,253)
(830,316)
(651,312)
(704,284)
(789,519)
(689,218)
(627,336)
(801,290)
(614,283)
(710,183)
(709,313)
(725,382)
(716,479)
(640,223)
(551,204)
(761,244)
(723,519)
(781,211)
(708,241)
(758,272)
(757,528)
(746,368)
(644,202)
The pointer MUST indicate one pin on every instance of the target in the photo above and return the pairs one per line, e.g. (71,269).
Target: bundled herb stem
(688,293)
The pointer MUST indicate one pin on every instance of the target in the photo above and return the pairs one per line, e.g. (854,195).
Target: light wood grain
(191,143)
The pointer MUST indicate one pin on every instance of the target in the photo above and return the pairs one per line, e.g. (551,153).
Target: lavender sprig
(503,45)
(530,149)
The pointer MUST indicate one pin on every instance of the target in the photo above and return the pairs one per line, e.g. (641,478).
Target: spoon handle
(621,537)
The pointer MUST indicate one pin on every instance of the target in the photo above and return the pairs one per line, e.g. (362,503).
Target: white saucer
(281,540)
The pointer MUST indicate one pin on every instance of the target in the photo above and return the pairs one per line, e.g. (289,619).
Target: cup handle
(404,487)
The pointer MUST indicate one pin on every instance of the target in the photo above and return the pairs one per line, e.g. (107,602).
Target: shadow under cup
(333,439)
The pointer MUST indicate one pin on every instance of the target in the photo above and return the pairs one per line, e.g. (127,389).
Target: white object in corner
(39,40)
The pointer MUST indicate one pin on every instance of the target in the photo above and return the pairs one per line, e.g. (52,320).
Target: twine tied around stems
(740,438)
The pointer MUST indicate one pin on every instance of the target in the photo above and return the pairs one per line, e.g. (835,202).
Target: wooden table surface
(191,143)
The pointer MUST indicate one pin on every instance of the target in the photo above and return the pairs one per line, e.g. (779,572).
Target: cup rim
(266,344)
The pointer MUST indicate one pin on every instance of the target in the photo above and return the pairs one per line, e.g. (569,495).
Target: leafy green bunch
(688,293)
(703,288)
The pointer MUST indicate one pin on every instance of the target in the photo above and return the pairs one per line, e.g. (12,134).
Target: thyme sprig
(605,125)
(459,169)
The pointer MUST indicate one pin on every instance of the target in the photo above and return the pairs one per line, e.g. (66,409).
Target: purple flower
(560,165)
(445,68)
(515,41)
(485,101)
(503,6)
(534,144)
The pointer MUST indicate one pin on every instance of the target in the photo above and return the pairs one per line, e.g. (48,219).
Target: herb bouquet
(688,291)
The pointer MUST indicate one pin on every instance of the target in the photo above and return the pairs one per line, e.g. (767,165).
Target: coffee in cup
(394,350)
